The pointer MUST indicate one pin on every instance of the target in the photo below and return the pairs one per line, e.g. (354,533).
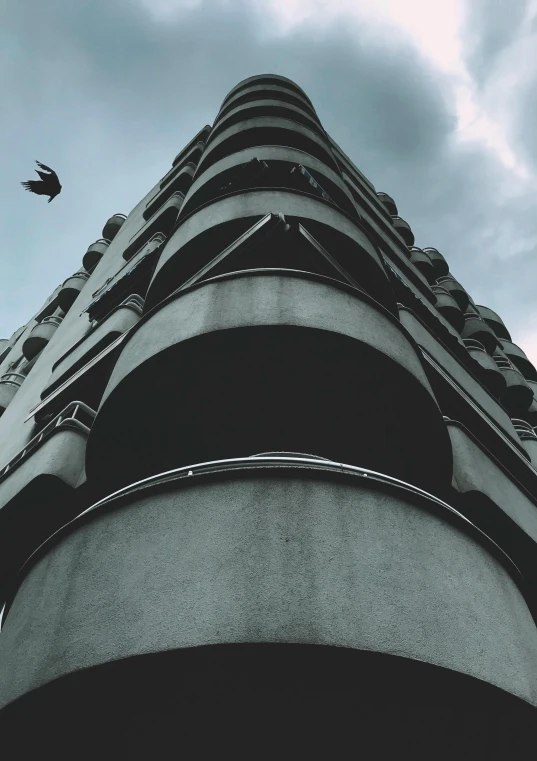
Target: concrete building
(268,476)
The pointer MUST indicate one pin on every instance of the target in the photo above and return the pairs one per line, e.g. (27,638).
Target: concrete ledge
(269,360)
(274,555)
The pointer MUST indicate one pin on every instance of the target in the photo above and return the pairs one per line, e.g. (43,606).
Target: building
(269,476)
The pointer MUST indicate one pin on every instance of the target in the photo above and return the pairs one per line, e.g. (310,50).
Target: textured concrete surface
(271,558)
(260,362)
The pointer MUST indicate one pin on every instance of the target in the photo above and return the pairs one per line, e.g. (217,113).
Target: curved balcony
(448,307)
(531,415)
(95,253)
(37,487)
(272,92)
(191,157)
(456,290)
(388,203)
(476,328)
(518,395)
(268,352)
(113,226)
(494,321)
(9,385)
(440,265)
(40,335)
(116,323)
(528,437)
(519,359)
(489,371)
(265,130)
(267,79)
(180,184)
(195,143)
(422,263)
(280,161)
(160,224)
(264,108)
(71,289)
(404,230)
(310,581)
(207,231)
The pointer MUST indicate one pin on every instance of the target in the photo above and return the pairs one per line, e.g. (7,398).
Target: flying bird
(48,185)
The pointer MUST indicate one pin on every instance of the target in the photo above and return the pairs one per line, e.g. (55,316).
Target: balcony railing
(76,415)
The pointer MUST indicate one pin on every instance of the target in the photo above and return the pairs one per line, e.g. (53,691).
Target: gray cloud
(107,96)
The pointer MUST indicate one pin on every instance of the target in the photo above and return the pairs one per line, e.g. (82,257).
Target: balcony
(448,307)
(117,322)
(265,108)
(518,395)
(159,225)
(9,385)
(456,290)
(266,130)
(422,262)
(113,226)
(495,322)
(476,328)
(206,232)
(71,289)
(201,137)
(388,203)
(489,486)
(519,359)
(271,92)
(40,335)
(239,170)
(488,371)
(280,346)
(528,437)
(95,253)
(271,79)
(440,265)
(531,415)
(179,184)
(309,555)
(404,230)
(37,486)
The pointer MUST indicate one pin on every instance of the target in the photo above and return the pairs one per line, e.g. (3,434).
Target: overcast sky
(435,101)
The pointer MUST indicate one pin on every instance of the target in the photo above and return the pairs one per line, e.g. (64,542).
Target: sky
(435,102)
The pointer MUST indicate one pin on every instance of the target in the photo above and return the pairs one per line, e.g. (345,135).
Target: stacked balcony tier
(265,360)
(281,592)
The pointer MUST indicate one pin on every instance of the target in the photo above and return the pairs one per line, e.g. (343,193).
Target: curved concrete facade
(266,130)
(209,185)
(265,361)
(266,555)
(227,595)
(208,230)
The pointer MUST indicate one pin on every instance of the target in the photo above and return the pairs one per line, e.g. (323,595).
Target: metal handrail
(101,240)
(10,379)
(68,418)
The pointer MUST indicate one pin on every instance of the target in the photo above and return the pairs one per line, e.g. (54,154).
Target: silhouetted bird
(48,185)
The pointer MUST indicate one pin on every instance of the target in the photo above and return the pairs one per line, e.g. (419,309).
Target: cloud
(108,93)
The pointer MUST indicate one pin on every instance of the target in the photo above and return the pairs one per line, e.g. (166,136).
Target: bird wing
(44,177)
(52,177)
(43,166)
(36,186)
